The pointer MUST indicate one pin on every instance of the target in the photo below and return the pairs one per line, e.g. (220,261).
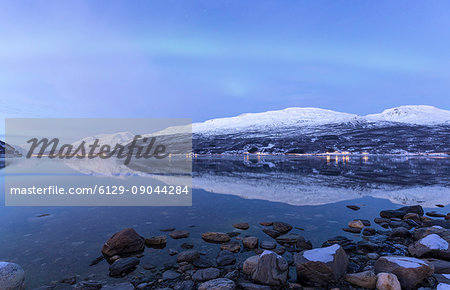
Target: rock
(272,233)
(170,275)
(400,232)
(188,256)
(271,269)
(353,207)
(438,230)
(233,246)
(352,230)
(431,246)
(250,242)
(88,285)
(435,214)
(218,284)
(206,274)
(179,234)
(250,264)
(268,245)
(184,285)
(187,246)
(251,286)
(409,271)
(281,227)
(289,239)
(369,232)
(233,275)
(366,279)
(158,242)
(440,266)
(172,252)
(12,276)
(266,224)
(124,243)
(167,230)
(123,266)
(412,216)
(356,224)
(373,256)
(241,226)
(69,280)
(201,263)
(321,266)
(387,281)
(401,212)
(216,237)
(119,286)
(225,258)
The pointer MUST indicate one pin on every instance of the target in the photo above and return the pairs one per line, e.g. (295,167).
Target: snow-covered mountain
(121,138)
(418,115)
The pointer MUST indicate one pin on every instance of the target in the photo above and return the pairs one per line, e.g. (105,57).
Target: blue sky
(208,59)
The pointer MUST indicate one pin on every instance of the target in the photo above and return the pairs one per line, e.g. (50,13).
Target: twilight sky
(208,59)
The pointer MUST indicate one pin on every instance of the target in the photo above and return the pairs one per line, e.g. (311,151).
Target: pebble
(170,275)
(250,242)
(216,237)
(242,226)
(268,245)
(179,234)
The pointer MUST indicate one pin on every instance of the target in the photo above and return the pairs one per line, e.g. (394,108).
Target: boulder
(218,284)
(281,227)
(216,237)
(250,242)
(271,269)
(123,266)
(206,274)
(225,258)
(440,266)
(158,242)
(188,256)
(431,246)
(241,226)
(179,234)
(409,271)
(387,281)
(366,279)
(401,212)
(12,276)
(420,233)
(321,266)
(124,243)
(250,264)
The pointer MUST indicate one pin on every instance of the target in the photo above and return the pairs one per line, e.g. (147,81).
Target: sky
(210,59)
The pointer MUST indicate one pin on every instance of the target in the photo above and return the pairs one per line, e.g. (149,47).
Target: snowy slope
(107,139)
(418,115)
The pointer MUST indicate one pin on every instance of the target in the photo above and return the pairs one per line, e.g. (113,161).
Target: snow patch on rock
(406,262)
(321,254)
(434,242)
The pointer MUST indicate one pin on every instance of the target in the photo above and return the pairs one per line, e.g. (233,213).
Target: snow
(324,255)
(406,262)
(434,242)
(447,276)
(443,286)
(419,115)
(122,138)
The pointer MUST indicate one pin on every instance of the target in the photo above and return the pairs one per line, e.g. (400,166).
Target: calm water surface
(308,193)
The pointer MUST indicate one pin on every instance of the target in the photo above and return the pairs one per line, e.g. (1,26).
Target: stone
(206,274)
(266,224)
(184,285)
(271,269)
(369,231)
(233,246)
(12,276)
(356,224)
(225,258)
(400,232)
(366,279)
(170,275)
(435,214)
(187,246)
(167,230)
(272,233)
(321,266)
(232,275)
(440,266)
(124,243)
(69,280)
(188,256)
(289,239)
(218,284)
(179,234)
(409,271)
(353,207)
(123,266)
(352,230)
(216,237)
(88,285)
(201,263)
(172,252)
(281,227)
(438,230)
(412,216)
(241,226)
(158,242)
(387,281)
(373,256)
(250,264)
(268,245)
(401,212)
(250,242)
(431,246)
(119,286)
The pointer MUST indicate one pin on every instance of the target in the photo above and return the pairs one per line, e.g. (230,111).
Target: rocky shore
(407,250)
